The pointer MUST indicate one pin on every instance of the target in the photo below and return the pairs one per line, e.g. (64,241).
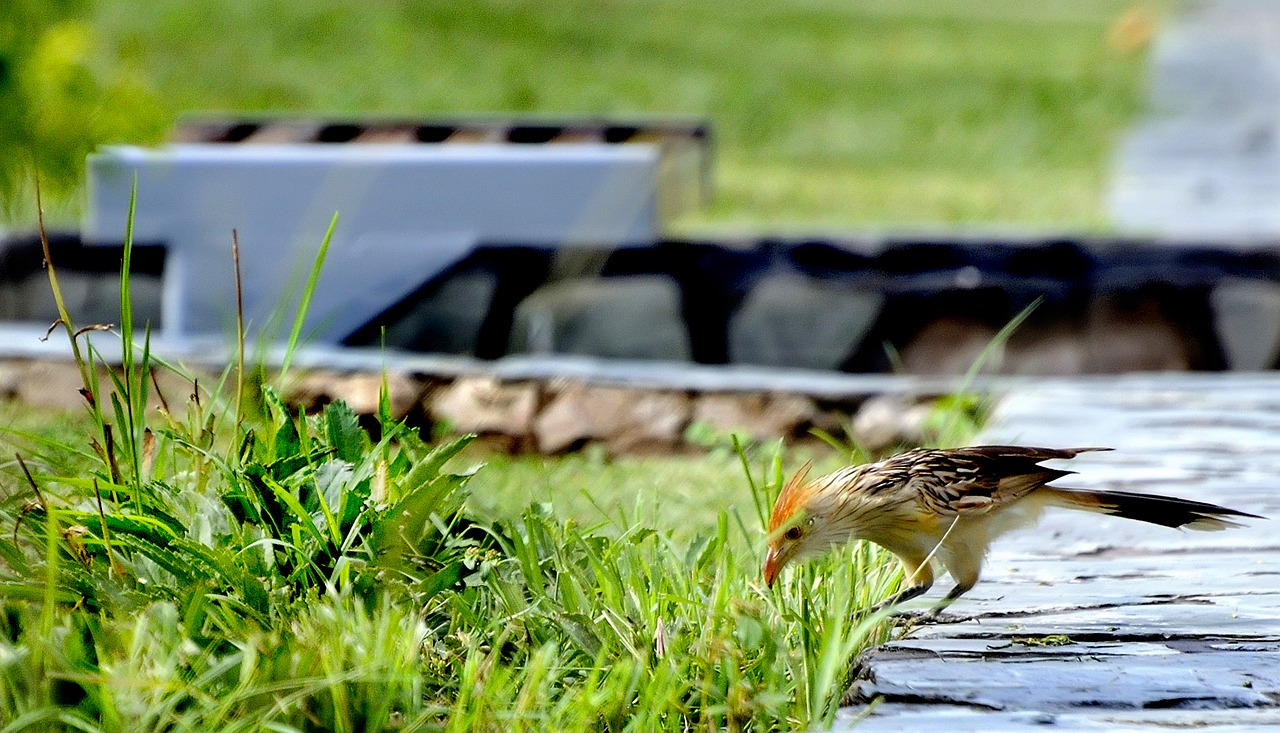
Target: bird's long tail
(1167,511)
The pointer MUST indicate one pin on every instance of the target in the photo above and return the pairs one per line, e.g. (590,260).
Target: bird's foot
(932,616)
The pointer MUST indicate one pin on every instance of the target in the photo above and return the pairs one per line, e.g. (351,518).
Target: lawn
(677,494)
(828,113)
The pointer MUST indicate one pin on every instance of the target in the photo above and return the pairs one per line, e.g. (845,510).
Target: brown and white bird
(949,505)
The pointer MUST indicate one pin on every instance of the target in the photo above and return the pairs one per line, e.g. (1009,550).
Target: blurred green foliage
(59,98)
(827,113)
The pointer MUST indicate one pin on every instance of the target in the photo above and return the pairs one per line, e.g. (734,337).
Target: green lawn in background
(828,113)
(671,493)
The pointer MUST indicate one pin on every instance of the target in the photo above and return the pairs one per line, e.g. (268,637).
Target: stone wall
(897,304)
(552,415)
(560,414)
(924,306)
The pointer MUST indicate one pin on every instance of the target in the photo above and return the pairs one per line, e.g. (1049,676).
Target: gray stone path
(1206,158)
(1092,622)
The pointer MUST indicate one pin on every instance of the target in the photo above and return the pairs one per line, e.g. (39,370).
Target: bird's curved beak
(773,562)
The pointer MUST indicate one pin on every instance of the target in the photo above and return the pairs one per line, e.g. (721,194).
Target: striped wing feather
(981,478)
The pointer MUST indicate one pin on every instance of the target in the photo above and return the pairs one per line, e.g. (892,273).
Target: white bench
(406,213)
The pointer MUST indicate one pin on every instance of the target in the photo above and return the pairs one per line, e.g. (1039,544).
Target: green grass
(314,578)
(828,113)
(663,492)
(232,564)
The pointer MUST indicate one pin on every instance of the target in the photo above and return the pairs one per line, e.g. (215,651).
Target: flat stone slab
(898,718)
(1188,674)
(1090,622)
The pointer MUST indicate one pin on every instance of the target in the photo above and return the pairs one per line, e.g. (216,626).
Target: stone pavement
(1092,622)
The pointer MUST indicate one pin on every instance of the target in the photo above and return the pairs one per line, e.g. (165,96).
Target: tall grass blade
(235,261)
(307,292)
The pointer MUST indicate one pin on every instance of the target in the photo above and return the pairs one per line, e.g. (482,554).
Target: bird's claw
(932,616)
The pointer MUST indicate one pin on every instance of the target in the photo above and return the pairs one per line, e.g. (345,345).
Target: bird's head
(812,517)
(795,526)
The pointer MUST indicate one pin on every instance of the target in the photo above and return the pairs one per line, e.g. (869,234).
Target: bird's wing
(977,480)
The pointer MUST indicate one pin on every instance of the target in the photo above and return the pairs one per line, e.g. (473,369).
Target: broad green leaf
(581,630)
(435,460)
(343,432)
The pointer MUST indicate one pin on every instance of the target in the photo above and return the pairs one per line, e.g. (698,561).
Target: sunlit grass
(677,493)
(827,112)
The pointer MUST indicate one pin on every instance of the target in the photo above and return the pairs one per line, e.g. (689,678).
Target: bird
(948,505)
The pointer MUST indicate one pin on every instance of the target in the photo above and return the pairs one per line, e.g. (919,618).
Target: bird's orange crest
(791,498)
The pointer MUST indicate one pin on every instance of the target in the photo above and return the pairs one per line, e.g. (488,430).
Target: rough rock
(949,346)
(10,378)
(360,391)
(1128,334)
(761,416)
(56,385)
(1247,319)
(447,320)
(485,405)
(801,322)
(623,419)
(885,421)
(53,385)
(613,318)
(1050,352)
(313,389)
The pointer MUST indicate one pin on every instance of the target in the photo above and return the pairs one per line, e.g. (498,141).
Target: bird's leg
(965,568)
(918,574)
(934,615)
(960,589)
(902,596)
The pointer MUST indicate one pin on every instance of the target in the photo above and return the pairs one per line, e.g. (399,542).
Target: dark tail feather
(1166,511)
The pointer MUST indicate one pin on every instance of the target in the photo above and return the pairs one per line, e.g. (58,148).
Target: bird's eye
(793,534)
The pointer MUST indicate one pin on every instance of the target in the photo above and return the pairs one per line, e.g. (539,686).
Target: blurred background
(826,114)
(860,186)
